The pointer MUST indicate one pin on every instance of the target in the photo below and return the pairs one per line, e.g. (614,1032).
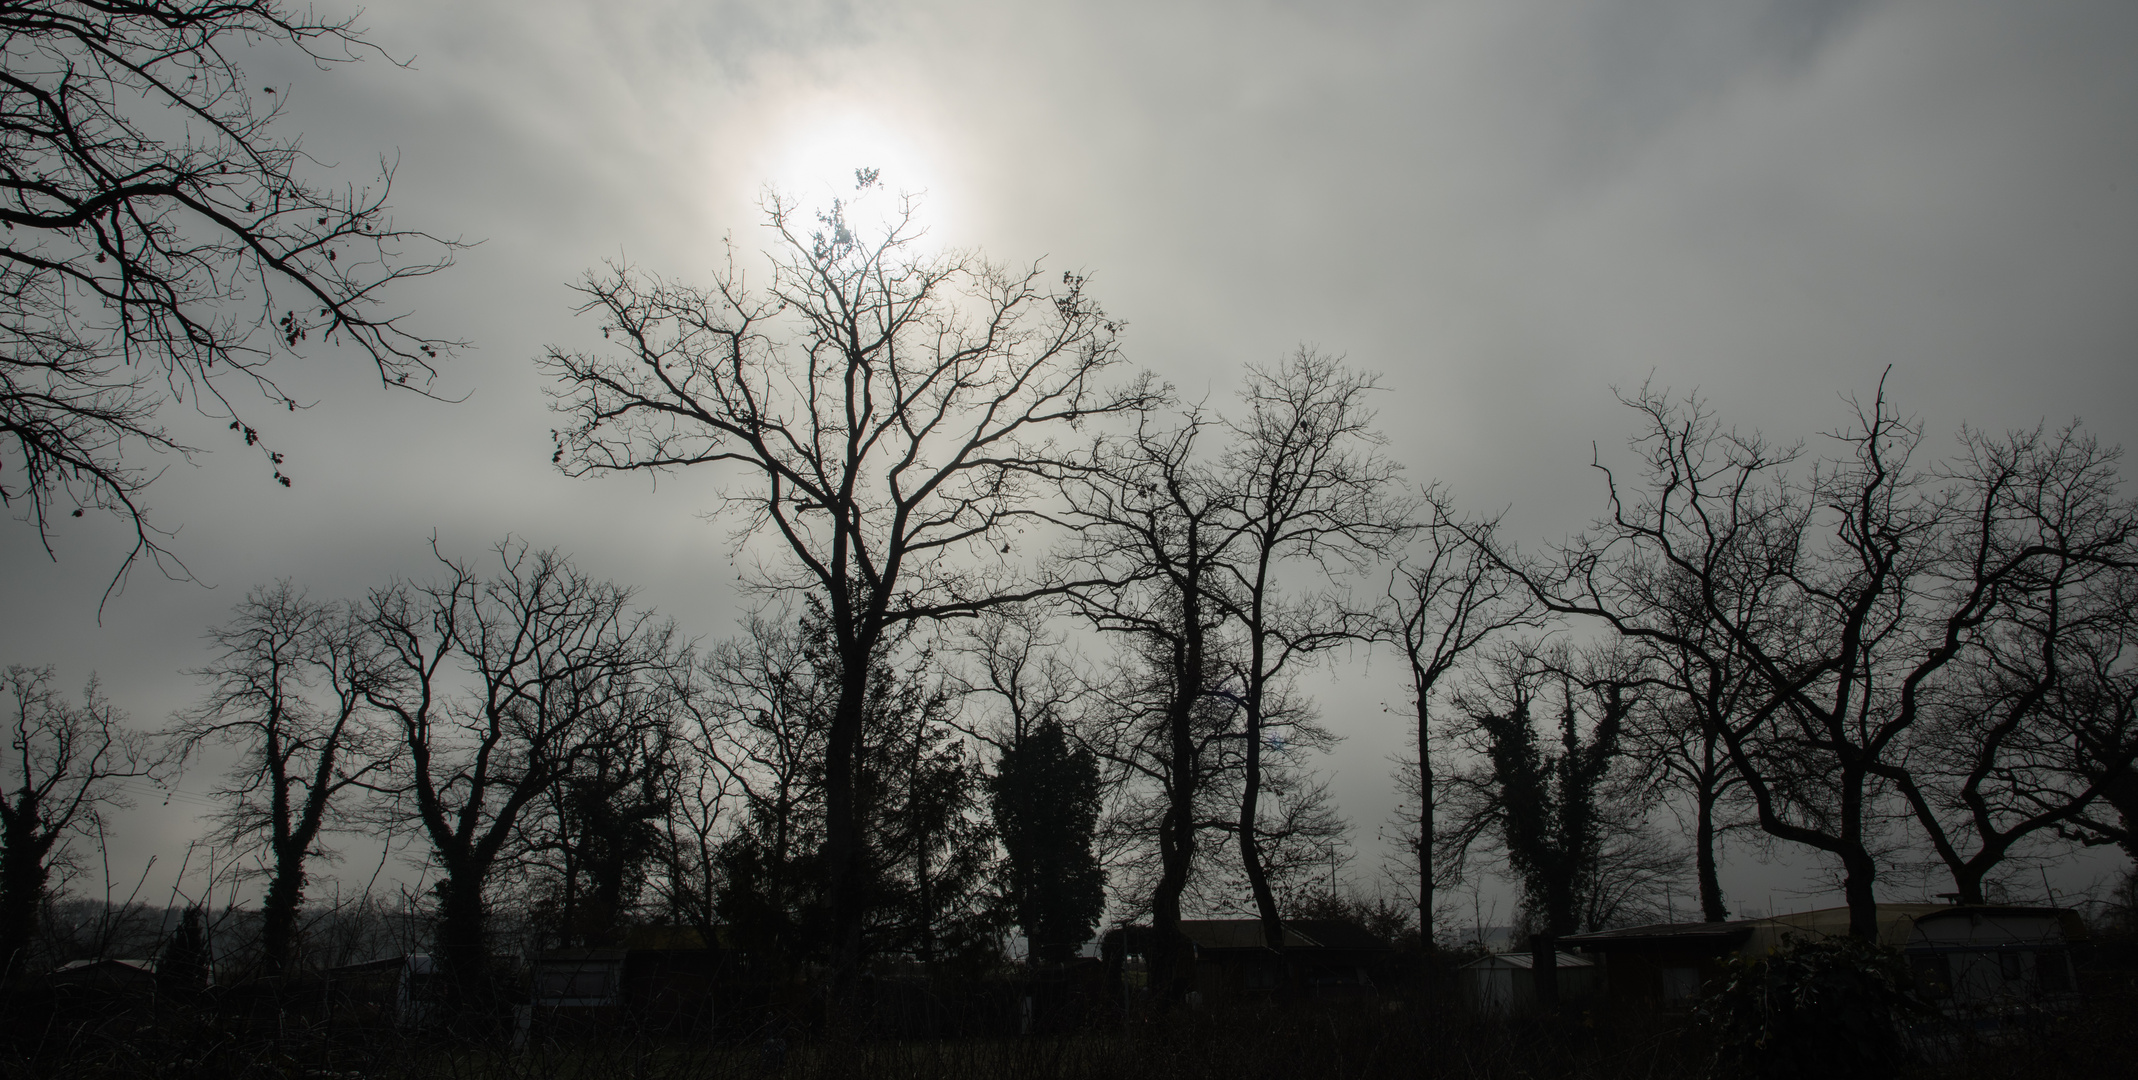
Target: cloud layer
(1506,207)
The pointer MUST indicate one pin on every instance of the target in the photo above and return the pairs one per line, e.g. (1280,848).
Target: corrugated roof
(1717,937)
(148,966)
(389,963)
(1896,926)
(1698,929)
(1525,961)
(569,956)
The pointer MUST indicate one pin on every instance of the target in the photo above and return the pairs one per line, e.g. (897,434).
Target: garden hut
(1504,984)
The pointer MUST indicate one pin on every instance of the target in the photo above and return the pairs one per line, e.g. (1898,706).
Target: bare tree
(1678,742)
(164,240)
(1309,497)
(1678,736)
(2100,712)
(1717,525)
(700,804)
(597,832)
(1154,528)
(288,687)
(66,765)
(1446,599)
(498,687)
(1301,836)
(1848,595)
(897,415)
(702,798)
(761,726)
(1014,660)
(1992,768)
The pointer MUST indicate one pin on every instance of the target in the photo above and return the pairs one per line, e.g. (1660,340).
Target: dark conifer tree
(1045,798)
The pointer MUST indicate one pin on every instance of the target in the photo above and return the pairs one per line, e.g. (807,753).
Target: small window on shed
(1680,984)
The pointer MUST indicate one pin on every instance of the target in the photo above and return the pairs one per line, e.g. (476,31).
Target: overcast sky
(1507,208)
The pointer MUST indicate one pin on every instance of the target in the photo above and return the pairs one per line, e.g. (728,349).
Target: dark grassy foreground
(1351,1040)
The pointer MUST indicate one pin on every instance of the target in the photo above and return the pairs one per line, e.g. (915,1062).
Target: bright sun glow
(823,146)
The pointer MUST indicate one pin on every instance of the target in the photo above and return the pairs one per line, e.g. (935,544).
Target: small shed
(1979,963)
(578,979)
(669,987)
(1504,984)
(1983,964)
(103,986)
(109,974)
(1663,967)
(1231,959)
(407,991)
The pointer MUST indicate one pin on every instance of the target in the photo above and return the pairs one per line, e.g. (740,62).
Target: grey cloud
(1506,207)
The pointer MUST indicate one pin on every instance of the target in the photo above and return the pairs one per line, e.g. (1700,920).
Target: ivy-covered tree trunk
(22,883)
(278,917)
(1545,802)
(462,956)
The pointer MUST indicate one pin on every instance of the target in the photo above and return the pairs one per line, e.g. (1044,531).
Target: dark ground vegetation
(1414,1028)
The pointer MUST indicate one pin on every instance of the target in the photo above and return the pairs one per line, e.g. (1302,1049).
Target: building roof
(138,965)
(1896,922)
(1717,937)
(582,956)
(1896,926)
(1525,960)
(2015,922)
(369,967)
(108,972)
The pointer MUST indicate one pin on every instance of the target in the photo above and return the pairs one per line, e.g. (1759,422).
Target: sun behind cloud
(822,145)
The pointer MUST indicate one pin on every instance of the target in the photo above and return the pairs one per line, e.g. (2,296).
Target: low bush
(1829,1007)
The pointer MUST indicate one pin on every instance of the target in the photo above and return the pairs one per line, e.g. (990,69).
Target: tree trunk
(1711,908)
(1544,971)
(1862,900)
(462,957)
(842,827)
(1562,912)
(1176,832)
(1251,851)
(2121,791)
(22,886)
(1425,826)
(1176,853)
(1856,861)
(1250,845)
(924,895)
(278,915)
